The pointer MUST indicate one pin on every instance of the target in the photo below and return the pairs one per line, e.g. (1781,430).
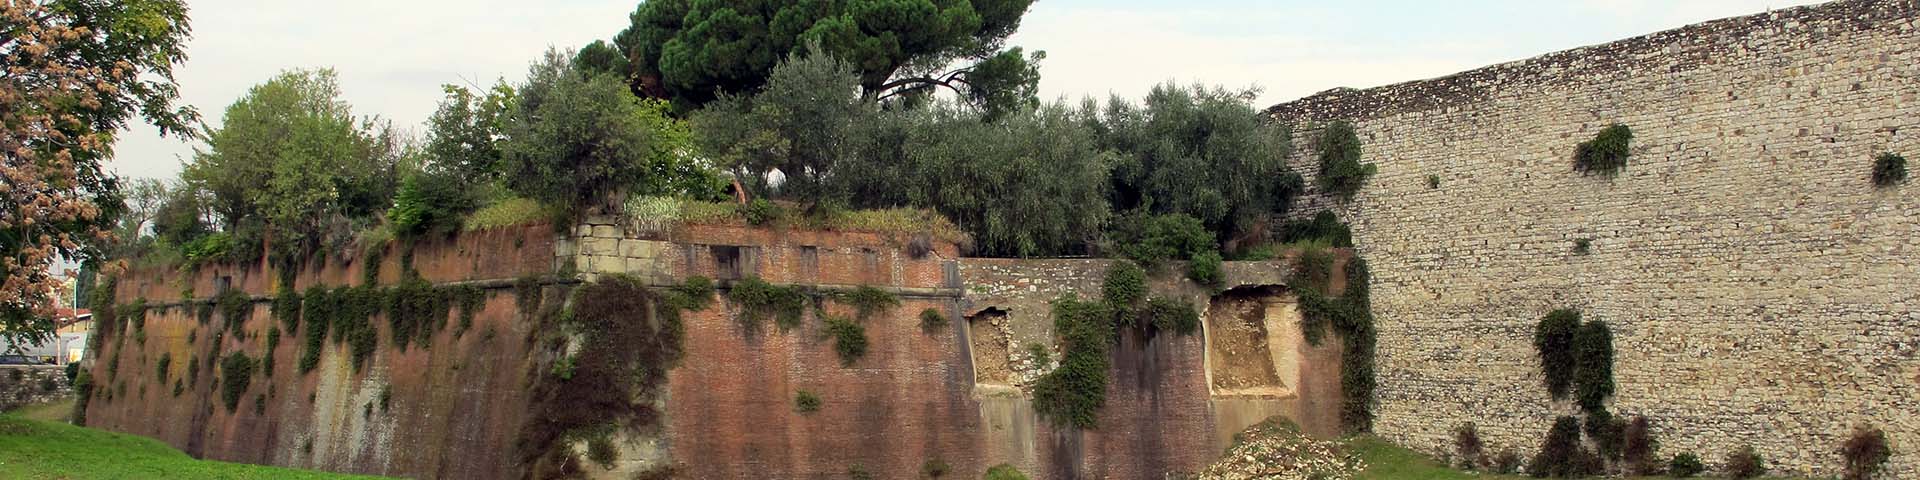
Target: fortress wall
(1760,288)
(461,393)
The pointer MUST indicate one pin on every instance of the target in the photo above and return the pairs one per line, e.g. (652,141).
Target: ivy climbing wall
(1759,285)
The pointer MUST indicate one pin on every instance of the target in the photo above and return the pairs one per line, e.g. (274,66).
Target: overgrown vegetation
(932,321)
(1744,462)
(1685,465)
(1576,358)
(1889,169)
(1073,393)
(622,348)
(1606,153)
(1341,172)
(1004,472)
(849,339)
(868,300)
(236,372)
(1865,452)
(1468,451)
(1350,314)
(806,402)
(1563,455)
(759,301)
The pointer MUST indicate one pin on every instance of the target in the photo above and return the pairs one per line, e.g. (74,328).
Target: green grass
(1386,461)
(35,449)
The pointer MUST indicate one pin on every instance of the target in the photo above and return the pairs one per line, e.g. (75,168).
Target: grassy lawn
(35,444)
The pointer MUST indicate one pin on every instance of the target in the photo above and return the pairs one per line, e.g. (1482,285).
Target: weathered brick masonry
(1760,288)
(454,408)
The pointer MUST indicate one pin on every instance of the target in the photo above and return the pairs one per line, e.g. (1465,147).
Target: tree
(290,154)
(1029,185)
(465,132)
(800,123)
(693,51)
(75,72)
(1202,152)
(575,136)
(144,196)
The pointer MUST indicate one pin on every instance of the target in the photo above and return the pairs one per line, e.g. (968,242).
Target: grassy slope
(32,449)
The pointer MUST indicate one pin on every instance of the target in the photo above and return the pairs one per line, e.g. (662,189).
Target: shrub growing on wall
(759,300)
(1553,340)
(1562,455)
(1744,462)
(1685,465)
(236,371)
(1865,452)
(1638,448)
(1324,227)
(1073,394)
(1889,169)
(1593,373)
(1606,153)
(1341,172)
(1467,446)
(619,365)
(1204,268)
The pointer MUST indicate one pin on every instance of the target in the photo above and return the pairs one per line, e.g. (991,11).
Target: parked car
(22,360)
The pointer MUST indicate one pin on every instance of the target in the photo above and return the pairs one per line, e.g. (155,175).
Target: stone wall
(1760,288)
(31,384)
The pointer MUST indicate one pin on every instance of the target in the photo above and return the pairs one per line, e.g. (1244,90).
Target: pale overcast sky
(392,55)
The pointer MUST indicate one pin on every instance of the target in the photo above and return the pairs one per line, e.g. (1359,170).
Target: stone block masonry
(1760,288)
(31,384)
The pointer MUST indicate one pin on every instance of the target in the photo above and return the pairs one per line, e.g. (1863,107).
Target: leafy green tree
(291,154)
(574,137)
(181,217)
(76,72)
(692,51)
(465,132)
(1029,185)
(1202,152)
(801,123)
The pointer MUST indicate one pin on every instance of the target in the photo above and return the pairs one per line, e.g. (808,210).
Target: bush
(1506,463)
(1125,285)
(1685,465)
(1638,448)
(1606,153)
(1155,238)
(759,300)
(430,202)
(1865,452)
(1582,246)
(1204,269)
(1173,315)
(1341,172)
(1744,462)
(1312,270)
(806,402)
(1074,393)
(1889,169)
(1562,455)
(1593,373)
(1607,433)
(1324,227)
(867,301)
(236,371)
(1553,340)
(760,212)
(931,320)
(934,468)
(1004,472)
(849,339)
(1467,446)
(506,213)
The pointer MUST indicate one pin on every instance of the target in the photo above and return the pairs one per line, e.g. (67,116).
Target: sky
(392,56)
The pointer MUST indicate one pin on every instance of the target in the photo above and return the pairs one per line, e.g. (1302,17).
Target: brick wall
(1760,288)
